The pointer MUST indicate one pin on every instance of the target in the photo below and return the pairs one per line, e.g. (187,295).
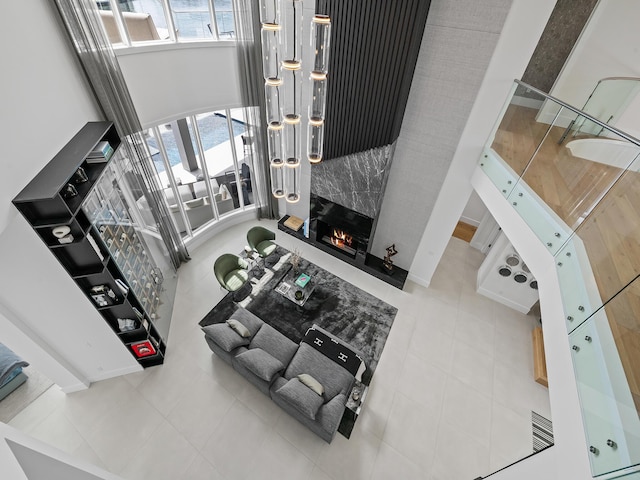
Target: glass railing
(574,180)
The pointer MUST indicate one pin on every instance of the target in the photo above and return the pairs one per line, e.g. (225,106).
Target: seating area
(196,202)
(310,383)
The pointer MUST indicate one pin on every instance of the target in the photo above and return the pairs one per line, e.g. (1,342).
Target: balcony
(574,181)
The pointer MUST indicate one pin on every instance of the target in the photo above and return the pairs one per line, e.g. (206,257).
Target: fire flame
(340,238)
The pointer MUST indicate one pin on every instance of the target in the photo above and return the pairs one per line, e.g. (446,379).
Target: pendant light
(282,47)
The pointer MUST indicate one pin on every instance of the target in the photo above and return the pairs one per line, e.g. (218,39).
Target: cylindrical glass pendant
(318,96)
(292,90)
(277,178)
(320,36)
(315,140)
(271,58)
(270,11)
(292,149)
(292,24)
(274,142)
(272,93)
(292,182)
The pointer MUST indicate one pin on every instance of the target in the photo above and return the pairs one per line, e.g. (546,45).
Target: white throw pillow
(311,382)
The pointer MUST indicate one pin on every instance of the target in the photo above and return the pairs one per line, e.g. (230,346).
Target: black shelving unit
(46,205)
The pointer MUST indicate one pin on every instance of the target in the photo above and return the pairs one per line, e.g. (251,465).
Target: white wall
(608,47)
(24,458)
(46,102)
(173,81)
(456,49)
(474,211)
(519,37)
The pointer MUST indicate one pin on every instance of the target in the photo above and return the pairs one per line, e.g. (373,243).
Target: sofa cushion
(239,328)
(261,363)
(298,395)
(248,319)
(332,376)
(311,382)
(198,202)
(272,341)
(224,336)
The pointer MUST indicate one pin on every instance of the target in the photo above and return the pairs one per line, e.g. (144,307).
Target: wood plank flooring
(609,226)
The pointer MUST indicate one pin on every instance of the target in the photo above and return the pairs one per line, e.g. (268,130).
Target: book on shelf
(101,153)
(293,222)
(143,349)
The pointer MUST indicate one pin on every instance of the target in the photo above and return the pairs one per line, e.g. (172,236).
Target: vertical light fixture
(282,69)
(320,35)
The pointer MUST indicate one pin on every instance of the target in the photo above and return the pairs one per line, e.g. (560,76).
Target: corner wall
(457,45)
(49,102)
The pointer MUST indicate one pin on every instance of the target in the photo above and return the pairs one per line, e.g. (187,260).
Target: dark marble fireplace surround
(346,194)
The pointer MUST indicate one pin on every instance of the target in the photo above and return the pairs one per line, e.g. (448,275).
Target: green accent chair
(260,240)
(231,272)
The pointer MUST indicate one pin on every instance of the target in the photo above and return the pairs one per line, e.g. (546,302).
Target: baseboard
(75,387)
(420,281)
(504,301)
(470,221)
(116,373)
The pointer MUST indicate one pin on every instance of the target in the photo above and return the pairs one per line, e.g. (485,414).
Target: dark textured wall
(560,35)
(374,49)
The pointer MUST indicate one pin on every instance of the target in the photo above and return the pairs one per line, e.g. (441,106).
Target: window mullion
(203,166)
(119,19)
(214,21)
(234,155)
(172,180)
(171,25)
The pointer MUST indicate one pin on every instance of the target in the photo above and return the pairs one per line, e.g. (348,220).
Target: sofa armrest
(330,414)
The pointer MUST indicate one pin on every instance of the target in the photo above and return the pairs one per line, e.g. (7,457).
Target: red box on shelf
(143,349)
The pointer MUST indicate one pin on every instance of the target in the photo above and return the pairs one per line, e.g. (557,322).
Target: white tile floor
(451,398)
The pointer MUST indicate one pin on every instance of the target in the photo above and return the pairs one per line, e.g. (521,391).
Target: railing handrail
(577,111)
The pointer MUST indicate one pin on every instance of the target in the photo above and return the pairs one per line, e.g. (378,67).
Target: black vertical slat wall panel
(374,50)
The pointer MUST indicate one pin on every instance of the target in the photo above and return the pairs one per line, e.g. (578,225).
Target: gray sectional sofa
(304,382)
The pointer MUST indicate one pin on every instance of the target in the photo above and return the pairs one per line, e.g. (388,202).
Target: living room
(86,350)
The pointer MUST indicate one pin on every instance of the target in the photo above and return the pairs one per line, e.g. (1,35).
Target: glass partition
(574,180)
(607,364)
(112,208)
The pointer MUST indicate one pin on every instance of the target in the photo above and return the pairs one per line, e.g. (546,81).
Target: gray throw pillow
(227,338)
(239,328)
(260,363)
(311,382)
(301,397)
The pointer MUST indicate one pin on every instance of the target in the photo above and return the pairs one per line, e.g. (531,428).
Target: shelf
(55,198)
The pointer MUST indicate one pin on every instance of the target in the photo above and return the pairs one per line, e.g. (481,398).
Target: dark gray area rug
(343,309)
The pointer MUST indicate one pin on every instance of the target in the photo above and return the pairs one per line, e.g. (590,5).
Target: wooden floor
(464,231)
(609,226)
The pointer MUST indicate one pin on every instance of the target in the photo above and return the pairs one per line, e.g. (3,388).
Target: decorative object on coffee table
(294,260)
(387,264)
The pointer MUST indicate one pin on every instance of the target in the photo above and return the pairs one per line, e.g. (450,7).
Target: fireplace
(344,231)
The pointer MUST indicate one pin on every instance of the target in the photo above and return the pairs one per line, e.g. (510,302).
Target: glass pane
(224,19)
(139,254)
(606,361)
(572,174)
(525,123)
(610,236)
(144,20)
(192,19)
(218,152)
(161,145)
